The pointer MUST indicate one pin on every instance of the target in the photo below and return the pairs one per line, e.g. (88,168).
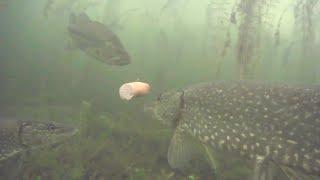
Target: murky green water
(49,73)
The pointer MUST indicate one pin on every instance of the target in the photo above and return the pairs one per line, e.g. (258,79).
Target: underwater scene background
(172,44)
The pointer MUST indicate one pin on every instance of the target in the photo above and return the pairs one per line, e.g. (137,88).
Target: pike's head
(167,107)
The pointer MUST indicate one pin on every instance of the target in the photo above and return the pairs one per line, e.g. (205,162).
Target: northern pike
(272,124)
(18,136)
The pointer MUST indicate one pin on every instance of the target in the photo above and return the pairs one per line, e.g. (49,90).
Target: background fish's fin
(293,174)
(181,149)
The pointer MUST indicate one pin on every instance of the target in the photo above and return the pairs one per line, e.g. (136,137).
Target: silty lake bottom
(62,63)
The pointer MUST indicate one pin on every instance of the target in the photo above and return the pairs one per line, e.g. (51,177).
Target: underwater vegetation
(253,20)
(20,136)
(107,149)
(234,30)
(171,43)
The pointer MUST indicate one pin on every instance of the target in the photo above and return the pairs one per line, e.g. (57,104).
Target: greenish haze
(172,43)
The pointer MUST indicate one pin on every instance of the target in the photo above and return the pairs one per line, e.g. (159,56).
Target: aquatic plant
(277,32)
(304,20)
(191,177)
(253,13)
(138,173)
(216,23)
(250,18)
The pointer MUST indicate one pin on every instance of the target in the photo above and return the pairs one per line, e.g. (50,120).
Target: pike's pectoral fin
(181,150)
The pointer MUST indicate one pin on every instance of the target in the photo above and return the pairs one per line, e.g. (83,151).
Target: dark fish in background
(19,136)
(97,40)
(275,125)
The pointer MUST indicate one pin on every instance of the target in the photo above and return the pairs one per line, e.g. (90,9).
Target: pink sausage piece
(129,90)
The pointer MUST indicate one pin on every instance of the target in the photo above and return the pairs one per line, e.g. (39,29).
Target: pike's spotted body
(277,123)
(18,136)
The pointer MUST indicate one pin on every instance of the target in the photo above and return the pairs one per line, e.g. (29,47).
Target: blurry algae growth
(105,149)
(56,54)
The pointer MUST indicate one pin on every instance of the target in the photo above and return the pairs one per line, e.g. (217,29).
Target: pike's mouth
(152,112)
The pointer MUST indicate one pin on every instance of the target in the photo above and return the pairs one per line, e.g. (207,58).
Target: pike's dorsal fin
(181,150)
